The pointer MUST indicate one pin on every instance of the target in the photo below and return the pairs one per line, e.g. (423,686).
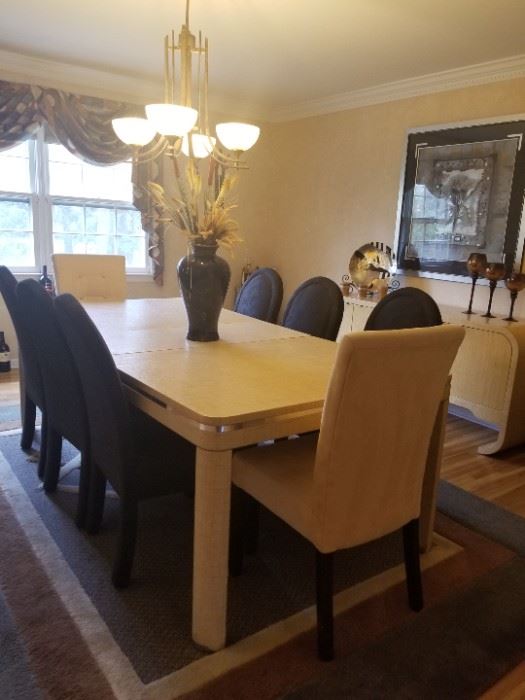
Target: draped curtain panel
(83,125)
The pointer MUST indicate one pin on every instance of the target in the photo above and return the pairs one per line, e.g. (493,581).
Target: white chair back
(91,277)
(381,404)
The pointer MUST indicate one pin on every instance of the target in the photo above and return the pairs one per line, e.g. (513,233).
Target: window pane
(68,219)
(100,220)
(129,222)
(17,248)
(15,215)
(14,169)
(133,248)
(99,245)
(70,176)
(69,243)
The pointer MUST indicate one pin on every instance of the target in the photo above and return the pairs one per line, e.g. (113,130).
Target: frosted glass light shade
(201,144)
(134,131)
(171,120)
(236,136)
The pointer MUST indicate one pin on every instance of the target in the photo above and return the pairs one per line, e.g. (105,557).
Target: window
(53,202)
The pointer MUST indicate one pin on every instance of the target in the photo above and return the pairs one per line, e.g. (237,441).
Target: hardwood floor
(500,479)
(9,391)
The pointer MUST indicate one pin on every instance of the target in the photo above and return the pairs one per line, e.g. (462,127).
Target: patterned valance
(83,125)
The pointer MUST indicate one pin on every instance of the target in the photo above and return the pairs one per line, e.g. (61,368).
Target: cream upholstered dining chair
(362,477)
(91,277)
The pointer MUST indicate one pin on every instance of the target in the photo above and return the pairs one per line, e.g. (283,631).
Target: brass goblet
(476,265)
(515,283)
(494,272)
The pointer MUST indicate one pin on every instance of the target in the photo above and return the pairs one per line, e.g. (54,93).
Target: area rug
(66,633)
(10,417)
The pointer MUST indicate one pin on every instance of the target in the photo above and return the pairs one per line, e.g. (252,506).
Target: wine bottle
(5,362)
(47,282)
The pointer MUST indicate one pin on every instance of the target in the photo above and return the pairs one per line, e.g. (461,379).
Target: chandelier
(181,121)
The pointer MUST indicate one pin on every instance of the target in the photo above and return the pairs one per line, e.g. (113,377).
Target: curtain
(83,125)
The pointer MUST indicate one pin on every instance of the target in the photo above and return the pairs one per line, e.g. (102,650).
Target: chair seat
(280,476)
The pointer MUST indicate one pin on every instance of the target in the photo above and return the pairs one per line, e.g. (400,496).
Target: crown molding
(98,83)
(469,76)
(22,68)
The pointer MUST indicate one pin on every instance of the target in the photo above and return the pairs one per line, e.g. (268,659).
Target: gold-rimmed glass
(494,272)
(476,265)
(515,283)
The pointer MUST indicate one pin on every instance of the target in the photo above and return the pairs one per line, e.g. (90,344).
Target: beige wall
(320,187)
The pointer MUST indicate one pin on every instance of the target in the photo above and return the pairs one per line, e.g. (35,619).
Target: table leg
(210,547)
(431,478)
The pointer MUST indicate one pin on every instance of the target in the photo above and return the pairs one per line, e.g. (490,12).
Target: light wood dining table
(259,381)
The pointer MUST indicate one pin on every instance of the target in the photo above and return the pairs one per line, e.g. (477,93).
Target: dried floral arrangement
(202,213)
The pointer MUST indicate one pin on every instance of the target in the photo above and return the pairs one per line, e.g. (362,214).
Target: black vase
(204,279)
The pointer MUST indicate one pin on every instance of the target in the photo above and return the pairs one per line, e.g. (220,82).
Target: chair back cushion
(316,307)
(91,277)
(261,295)
(63,393)
(32,376)
(106,406)
(404,308)
(379,413)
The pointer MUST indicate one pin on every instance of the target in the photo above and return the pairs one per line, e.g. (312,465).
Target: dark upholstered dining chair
(316,307)
(347,487)
(261,295)
(31,384)
(408,307)
(139,457)
(65,408)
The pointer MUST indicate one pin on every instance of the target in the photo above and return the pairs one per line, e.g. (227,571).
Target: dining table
(259,382)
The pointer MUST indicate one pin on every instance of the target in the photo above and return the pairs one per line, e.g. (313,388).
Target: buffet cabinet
(488,375)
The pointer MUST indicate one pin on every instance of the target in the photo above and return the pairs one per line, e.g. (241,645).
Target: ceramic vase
(203,279)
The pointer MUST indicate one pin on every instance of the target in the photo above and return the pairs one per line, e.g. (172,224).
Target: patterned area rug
(58,609)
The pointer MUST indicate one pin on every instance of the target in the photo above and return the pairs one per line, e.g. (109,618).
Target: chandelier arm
(146,154)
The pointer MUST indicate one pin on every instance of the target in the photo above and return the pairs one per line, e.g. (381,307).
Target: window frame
(41,204)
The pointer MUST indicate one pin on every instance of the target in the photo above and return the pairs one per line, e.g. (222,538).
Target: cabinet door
(346,323)
(361,314)
(481,374)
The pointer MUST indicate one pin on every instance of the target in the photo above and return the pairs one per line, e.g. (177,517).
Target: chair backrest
(91,277)
(316,307)
(378,417)
(32,377)
(261,295)
(106,406)
(404,308)
(64,398)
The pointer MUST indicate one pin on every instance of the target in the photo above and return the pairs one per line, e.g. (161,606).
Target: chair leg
(53,457)
(126,543)
(412,564)
(236,552)
(324,567)
(83,490)
(28,411)
(43,446)
(96,498)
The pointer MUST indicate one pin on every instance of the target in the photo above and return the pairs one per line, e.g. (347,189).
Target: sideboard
(488,375)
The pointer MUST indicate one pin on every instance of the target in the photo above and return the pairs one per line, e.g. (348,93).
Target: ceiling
(272,54)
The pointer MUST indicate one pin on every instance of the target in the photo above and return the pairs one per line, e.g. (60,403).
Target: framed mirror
(462,192)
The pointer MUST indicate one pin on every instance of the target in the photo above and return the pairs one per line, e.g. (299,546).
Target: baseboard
(464,413)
